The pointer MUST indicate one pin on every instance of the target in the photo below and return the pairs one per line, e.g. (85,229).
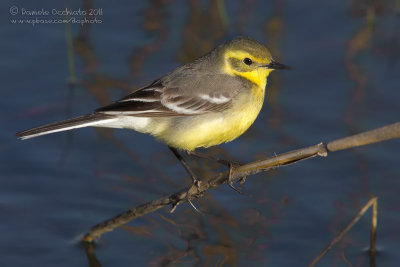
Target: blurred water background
(345,79)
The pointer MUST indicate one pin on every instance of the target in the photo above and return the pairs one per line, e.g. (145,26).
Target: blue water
(345,80)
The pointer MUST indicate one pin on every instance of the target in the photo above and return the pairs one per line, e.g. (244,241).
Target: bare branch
(195,192)
(377,135)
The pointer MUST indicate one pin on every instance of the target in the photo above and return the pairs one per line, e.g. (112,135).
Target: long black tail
(78,122)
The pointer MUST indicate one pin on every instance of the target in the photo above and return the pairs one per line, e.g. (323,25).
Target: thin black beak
(277,66)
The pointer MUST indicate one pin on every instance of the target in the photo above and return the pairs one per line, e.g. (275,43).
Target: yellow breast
(213,129)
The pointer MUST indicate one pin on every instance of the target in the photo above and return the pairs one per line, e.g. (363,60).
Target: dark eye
(247,61)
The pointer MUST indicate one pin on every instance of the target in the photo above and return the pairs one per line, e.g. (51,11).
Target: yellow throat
(257,76)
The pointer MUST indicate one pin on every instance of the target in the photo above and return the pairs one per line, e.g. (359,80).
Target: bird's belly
(212,129)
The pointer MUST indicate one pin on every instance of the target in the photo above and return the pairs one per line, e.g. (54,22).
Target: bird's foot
(194,191)
(229,163)
(232,165)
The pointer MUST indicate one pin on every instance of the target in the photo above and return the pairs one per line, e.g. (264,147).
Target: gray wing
(184,92)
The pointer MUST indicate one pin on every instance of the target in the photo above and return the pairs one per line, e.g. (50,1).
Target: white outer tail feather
(64,129)
(79,122)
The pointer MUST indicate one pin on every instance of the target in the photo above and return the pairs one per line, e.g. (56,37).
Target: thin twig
(70,53)
(337,238)
(346,260)
(374,225)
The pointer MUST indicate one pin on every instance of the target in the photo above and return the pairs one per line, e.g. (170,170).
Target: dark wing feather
(180,93)
(144,102)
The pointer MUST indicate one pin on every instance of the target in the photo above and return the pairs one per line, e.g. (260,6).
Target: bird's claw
(230,177)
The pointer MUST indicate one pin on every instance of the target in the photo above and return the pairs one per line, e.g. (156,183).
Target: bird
(204,103)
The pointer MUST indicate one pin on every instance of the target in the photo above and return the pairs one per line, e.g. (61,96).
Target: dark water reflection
(345,79)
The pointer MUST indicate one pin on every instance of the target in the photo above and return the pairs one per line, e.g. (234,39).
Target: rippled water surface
(345,79)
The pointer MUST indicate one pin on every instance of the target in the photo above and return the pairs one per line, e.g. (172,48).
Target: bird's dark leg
(230,178)
(228,163)
(195,181)
(220,161)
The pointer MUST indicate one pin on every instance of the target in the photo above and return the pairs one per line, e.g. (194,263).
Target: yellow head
(248,59)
